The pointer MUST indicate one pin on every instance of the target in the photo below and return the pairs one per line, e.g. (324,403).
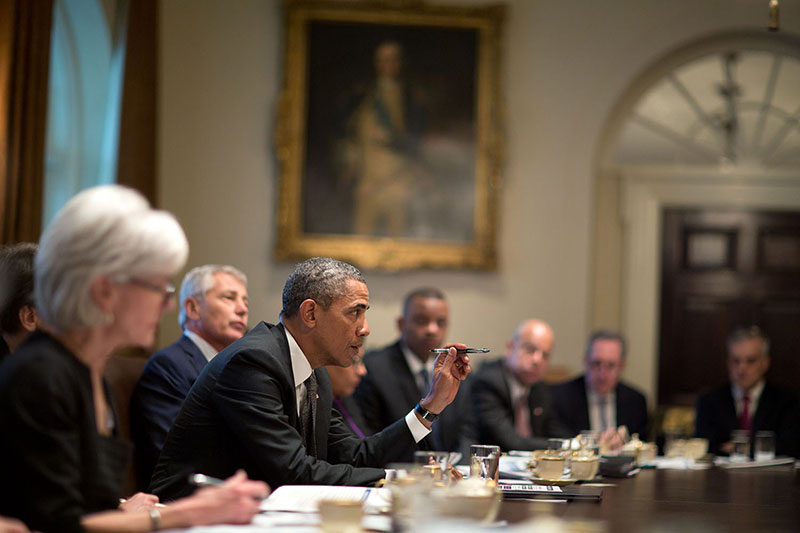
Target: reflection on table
(665,500)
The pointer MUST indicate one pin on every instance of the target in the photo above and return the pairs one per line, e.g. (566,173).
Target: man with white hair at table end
(213,314)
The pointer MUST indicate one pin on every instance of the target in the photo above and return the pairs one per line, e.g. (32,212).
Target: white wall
(566,65)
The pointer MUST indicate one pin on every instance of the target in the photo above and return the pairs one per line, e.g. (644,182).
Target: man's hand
(611,439)
(448,373)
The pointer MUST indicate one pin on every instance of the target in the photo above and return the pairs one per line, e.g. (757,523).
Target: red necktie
(522,417)
(745,421)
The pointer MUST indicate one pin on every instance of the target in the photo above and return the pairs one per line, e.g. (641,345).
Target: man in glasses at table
(599,401)
(212,313)
(264,403)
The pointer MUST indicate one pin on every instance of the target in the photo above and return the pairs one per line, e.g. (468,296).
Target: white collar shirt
(416,366)
(301,368)
(754,394)
(205,348)
(602,408)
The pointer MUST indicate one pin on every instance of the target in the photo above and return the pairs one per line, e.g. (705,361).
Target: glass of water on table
(484,462)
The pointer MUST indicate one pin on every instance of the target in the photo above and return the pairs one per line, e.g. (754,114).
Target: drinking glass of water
(484,462)
(741,446)
(765,446)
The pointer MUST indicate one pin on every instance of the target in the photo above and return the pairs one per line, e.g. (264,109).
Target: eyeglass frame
(168,292)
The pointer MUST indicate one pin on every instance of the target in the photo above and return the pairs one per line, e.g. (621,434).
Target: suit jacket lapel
(765,405)
(405,378)
(730,408)
(195,356)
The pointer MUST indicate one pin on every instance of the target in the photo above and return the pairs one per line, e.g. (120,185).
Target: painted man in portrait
(380,154)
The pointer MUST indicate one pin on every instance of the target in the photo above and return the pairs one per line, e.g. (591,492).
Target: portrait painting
(389,134)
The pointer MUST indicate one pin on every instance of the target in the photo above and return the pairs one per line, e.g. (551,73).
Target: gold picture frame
(389,134)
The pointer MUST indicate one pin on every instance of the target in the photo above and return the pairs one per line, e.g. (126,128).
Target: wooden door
(722,269)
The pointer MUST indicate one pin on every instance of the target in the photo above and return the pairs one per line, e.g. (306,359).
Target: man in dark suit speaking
(598,400)
(264,403)
(213,314)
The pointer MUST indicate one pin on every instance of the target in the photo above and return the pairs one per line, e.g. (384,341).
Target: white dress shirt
(754,394)
(415,365)
(602,408)
(205,348)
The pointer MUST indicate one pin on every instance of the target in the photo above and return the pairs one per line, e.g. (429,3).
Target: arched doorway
(712,125)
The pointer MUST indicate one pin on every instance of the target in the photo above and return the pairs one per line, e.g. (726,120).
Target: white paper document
(306,498)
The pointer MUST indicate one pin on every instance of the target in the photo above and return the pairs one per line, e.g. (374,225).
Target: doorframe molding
(644,193)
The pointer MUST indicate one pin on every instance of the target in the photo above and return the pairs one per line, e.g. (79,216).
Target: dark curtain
(136,163)
(24,63)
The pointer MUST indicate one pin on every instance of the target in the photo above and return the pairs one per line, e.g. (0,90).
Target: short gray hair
(321,279)
(606,335)
(199,280)
(108,230)
(744,333)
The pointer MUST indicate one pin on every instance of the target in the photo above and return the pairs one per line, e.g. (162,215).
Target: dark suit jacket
(494,411)
(572,407)
(354,412)
(242,413)
(157,398)
(389,391)
(777,411)
(54,464)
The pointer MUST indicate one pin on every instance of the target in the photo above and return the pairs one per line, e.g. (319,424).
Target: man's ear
(28,317)
(400,322)
(308,312)
(192,307)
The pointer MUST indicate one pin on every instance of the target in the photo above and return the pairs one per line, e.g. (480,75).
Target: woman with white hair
(102,282)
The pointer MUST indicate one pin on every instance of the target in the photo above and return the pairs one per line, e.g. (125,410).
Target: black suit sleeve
(156,401)
(253,403)
(711,422)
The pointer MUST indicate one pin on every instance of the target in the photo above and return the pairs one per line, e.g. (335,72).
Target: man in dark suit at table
(748,402)
(398,374)
(598,401)
(213,314)
(264,403)
(512,405)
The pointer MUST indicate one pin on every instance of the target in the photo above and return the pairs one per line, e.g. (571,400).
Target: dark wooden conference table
(717,499)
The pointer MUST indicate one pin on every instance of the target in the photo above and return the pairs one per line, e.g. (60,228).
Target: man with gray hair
(599,401)
(748,402)
(213,314)
(264,404)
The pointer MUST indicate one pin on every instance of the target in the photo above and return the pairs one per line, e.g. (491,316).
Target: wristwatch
(425,414)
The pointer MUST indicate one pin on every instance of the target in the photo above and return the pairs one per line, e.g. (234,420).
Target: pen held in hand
(465,350)
(202,480)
